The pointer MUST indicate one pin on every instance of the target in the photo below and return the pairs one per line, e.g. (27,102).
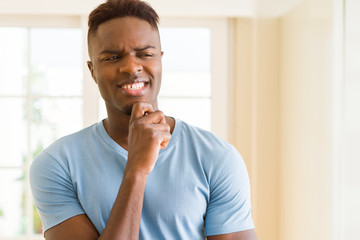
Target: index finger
(139,109)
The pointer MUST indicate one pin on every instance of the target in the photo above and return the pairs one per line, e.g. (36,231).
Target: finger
(139,109)
(163,120)
(162,127)
(164,143)
(166,136)
(163,135)
(155,117)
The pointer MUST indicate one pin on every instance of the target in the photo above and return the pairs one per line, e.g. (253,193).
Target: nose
(130,65)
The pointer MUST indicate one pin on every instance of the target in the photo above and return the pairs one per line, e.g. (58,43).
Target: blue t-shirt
(199,185)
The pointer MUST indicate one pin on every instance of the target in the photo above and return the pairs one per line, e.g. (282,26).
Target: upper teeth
(134,86)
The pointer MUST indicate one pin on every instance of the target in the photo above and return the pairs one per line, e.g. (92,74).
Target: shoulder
(210,150)
(203,139)
(73,141)
(56,155)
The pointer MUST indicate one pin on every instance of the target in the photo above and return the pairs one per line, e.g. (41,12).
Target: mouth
(134,89)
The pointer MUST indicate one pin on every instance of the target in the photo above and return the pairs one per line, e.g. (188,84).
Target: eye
(146,55)
(112,58)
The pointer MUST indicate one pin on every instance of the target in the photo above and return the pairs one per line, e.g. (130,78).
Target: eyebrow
(144,48)
(107,51)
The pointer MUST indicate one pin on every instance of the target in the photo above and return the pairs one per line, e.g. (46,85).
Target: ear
(162,53)
(91,68)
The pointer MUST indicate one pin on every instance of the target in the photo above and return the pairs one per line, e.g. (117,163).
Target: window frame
(221,74)
(29,22)
(221,78)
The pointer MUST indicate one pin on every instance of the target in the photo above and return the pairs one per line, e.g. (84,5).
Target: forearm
(148,132)
(125,216)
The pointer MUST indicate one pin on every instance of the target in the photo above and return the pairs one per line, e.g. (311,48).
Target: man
(138,174)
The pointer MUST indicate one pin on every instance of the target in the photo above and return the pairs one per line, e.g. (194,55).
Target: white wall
(349,161)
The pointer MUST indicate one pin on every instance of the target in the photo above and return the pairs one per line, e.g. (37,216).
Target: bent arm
(125,215)
(79,227)
(147,134)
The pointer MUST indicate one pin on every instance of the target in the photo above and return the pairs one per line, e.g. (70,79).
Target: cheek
(103,91)
(104,76)
(104,80)
(157,70)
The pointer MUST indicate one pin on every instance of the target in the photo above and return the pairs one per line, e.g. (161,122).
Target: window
(41,100)
(204,63)
(196,55)
(47,92)
(186,86)
(186,80)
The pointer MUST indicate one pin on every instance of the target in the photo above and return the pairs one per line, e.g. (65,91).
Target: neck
(117,126)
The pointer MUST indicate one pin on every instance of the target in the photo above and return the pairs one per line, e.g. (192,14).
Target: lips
(134,88)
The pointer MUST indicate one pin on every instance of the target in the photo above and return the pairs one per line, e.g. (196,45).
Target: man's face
(126,63)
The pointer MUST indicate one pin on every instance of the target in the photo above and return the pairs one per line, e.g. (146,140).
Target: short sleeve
(229,208)
(53,192)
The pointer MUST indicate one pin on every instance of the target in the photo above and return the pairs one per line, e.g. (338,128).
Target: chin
(127,110)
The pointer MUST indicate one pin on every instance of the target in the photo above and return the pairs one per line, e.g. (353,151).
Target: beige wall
(257,115)
(283,112)
(306,122)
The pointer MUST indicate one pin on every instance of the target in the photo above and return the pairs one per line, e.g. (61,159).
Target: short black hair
(121,8)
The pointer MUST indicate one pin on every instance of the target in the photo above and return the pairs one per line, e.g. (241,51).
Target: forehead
(124,32)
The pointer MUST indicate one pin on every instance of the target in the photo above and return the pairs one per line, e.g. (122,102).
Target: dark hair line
(121,8)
